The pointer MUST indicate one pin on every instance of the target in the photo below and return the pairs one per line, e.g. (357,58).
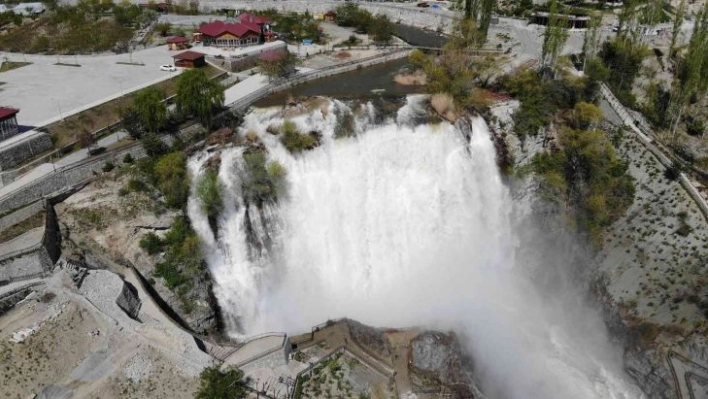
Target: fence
(654,148)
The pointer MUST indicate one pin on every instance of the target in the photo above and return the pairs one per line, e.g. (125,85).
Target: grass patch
(65,132)
(10,65)
(67,64)
(16,230)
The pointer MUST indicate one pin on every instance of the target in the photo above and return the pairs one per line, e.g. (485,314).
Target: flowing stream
(402,225)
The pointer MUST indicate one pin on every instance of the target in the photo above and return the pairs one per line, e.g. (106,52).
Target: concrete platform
(255,348)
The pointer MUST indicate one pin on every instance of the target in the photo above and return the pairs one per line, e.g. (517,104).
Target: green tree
(676,27)
(278,64)
(171,178)
(554,37)
(198,95)
(692,76)
(209,193)
(217,384)
(151,109)
(382,29)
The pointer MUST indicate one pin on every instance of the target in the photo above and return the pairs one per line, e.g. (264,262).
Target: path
(655,149)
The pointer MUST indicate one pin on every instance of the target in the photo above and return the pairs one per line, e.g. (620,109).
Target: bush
(170,174)
(586,175)
(217,384)
(209,193)
(295,141)
(151,243)
(128,159)
(153,145)
(108,166)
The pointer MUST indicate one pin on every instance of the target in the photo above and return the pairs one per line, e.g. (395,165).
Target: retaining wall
(21,215)
(66,177)
(23,150)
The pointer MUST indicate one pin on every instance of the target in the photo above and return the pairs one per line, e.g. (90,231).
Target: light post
(59,108)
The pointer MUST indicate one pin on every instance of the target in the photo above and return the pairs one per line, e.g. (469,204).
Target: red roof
(247,18)
(7,112)
(218,28)
(188,56)
(177,39)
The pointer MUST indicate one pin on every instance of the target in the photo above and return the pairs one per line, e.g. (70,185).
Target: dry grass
(10,65)
(343,55)
(66,132)
(18,229)
(417,78)
(444,105)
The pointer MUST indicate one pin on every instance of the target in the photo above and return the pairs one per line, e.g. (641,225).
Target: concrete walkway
(45,92)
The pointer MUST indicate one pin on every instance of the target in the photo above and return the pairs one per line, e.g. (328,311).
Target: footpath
(653,146)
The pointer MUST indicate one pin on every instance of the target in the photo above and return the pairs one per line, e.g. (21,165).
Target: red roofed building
(247,30)
(177,43)
(8,122)
(189,59)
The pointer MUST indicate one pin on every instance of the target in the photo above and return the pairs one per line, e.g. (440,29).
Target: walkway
(654,147)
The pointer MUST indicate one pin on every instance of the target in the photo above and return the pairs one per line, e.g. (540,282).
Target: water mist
(401,226)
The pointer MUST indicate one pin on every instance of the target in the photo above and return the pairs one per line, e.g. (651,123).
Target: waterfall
(401,225)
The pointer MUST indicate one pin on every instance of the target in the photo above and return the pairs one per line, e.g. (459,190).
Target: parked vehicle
(169,68)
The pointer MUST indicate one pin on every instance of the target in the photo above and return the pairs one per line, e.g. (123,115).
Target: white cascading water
(402,226)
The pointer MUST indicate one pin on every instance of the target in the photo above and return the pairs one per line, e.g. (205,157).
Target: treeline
(379,26)
(87,27)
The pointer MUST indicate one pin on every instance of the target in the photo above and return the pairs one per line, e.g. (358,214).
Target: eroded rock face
(370,338)
(440,356)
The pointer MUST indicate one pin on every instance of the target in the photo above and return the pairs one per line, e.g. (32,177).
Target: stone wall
(25,266)
(65,178)
(21,215)
(23,150)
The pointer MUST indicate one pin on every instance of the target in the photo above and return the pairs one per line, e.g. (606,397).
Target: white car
(169,68)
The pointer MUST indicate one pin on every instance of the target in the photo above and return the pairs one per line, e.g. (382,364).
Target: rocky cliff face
(102,226)
(440,357)
(649,277)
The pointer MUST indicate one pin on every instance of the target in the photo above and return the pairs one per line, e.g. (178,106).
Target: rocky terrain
(66,341)
(102,225)
(650,273)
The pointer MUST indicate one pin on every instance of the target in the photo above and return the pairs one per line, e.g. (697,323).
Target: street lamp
(59,108)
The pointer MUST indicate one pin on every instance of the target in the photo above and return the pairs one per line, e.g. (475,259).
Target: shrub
(108,166)
(276,170)
(128,159)
(170,174)
(151,243)
(135,185)
(209,193)
(217,384)
(295,141)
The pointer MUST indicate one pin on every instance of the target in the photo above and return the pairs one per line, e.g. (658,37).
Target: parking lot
(44,92)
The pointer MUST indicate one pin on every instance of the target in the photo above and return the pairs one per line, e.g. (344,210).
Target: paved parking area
(43,91)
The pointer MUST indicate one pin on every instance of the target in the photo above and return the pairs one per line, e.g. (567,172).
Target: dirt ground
(83,346)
